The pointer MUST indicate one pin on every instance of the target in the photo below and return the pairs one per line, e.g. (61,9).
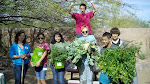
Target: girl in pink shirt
(41,70)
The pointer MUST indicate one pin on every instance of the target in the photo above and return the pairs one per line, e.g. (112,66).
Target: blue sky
(143,7)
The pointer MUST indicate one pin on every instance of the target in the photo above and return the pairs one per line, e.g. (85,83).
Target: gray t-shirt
(111,47)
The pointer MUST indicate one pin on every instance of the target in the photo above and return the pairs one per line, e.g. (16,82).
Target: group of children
(20,51)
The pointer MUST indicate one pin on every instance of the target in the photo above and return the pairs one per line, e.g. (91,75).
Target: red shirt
(82,20)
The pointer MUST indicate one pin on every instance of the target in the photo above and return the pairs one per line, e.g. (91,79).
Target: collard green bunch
(93,54)
(76,51)
(58,52)
(119,63)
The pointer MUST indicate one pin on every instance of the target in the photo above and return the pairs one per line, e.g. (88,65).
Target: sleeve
(75,15)
(12,50)
(47,46)
(124,44)
(91,14)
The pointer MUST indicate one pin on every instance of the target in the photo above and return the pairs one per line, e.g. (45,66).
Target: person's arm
(12,52)
(28,55)
(69,10)
(18,56)
(41,59)
(47,48)
(94,7)
(86,46)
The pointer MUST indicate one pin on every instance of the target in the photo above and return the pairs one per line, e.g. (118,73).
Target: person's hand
(93,43)
(49,57)
(38,64)
(25,58)
(86,46)
(94,53)
(31,64)
(22,56)
(99,67)
(53,66)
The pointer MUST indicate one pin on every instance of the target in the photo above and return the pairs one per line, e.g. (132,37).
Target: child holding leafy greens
(58,48)
(106,39)
(115,32)
(40,70)
(86,70)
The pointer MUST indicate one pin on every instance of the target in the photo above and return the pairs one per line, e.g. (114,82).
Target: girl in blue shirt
(19,51)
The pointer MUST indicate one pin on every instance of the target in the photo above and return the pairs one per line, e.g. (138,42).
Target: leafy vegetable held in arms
(58,52)
(119,63)
(76,51)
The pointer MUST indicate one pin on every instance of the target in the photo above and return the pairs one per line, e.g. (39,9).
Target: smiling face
(57,38)
(106,40)
(85,32)
(41,39)
(21,37)
(82,9)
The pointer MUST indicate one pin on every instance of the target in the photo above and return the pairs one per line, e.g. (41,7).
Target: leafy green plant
(93,54)
(119,63)
(58,52)
(76,51)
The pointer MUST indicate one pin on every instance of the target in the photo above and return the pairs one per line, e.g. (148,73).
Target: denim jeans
(58,75)
(17,73)
(40,72)
(86,74)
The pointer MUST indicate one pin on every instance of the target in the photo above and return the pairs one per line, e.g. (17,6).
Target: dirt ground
(143,72)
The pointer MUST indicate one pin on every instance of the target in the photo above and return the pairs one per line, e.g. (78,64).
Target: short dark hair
(17,35)
(115,30)
(107,34)
(40,34)
(83,5)
(57,33)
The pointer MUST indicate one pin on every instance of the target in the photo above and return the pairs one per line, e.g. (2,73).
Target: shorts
(41,72)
